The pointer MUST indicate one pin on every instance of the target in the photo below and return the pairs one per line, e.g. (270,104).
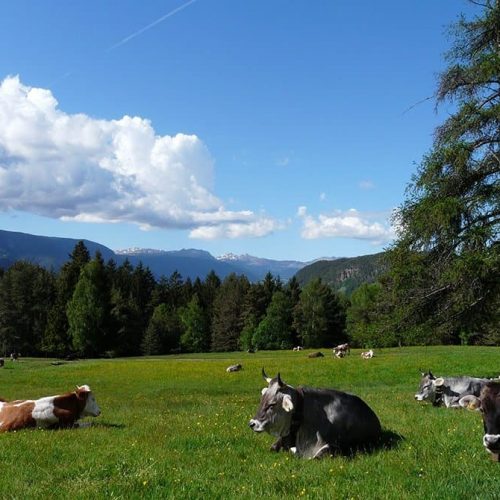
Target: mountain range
(51,252)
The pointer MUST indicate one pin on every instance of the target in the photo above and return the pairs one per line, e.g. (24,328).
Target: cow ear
(287,403)
(264,389)
(470,402)
(439,382)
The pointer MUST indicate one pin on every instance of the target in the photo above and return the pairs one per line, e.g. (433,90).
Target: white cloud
(74,167)
(257,228)
(349,224)
(366,185)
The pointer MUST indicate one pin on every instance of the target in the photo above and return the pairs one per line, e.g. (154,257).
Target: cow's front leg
(324,450)
(283,443)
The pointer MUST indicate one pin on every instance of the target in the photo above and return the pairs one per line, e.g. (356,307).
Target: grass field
(177,427)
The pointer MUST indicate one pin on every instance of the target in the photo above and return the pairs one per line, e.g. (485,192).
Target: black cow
(489,405)
(314,422)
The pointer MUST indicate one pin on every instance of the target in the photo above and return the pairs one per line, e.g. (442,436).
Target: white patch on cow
(85,388)
(293,450)
(330,413)
(322,451)
(43,412)
(256,425)
(490,438)
(22,403)
(264,389)
(287,403)
(470,402)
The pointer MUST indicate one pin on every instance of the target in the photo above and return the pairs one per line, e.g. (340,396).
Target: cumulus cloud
(255,228)
(74,167)
(349,224)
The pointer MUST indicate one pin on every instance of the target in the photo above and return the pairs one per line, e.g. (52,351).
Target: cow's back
(16,415)
(343,420)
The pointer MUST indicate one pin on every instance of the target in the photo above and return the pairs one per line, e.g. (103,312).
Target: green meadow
(177,427)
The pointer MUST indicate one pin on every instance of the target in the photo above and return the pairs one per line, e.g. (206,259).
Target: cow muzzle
(492,442)
(256,425)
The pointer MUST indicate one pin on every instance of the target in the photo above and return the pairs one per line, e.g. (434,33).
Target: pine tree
(87,312)
(195,337)
(275,329)
(227,319)
(445,267)
(318,317)
(56,340)
(163,333)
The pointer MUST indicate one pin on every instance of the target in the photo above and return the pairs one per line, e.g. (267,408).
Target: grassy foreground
(177,427)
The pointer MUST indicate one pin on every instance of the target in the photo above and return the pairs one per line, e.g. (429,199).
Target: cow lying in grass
(314,422)
(448,391)
(49,412)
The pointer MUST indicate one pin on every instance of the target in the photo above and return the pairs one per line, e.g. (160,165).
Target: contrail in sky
(149,26)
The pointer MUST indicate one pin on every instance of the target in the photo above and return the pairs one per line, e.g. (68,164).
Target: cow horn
(280,382)
(266,378)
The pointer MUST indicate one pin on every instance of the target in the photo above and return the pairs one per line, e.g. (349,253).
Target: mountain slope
(189,263)
(344,274)
(49,252)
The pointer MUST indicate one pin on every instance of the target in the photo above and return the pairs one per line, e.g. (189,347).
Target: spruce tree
(444,282)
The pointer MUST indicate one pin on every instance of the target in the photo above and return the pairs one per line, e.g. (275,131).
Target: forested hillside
(93,308)
(345,274)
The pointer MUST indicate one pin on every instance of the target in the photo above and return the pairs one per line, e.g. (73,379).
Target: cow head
(91,408)
(430,388)
(488,404)
(275,411)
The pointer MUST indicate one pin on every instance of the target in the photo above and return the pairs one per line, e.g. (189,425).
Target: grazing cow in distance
(448,390)
(368,354)
(14,356)
(314,422)
(234,368)
(49,412)
(317,354)
(489,404)
(298,348)
(341,350)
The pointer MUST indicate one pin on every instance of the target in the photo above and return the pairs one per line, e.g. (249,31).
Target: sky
(285,129)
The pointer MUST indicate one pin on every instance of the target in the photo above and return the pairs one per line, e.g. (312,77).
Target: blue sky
(285,129)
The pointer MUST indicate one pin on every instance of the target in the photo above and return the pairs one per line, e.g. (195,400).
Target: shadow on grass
(388,440)
(106,425)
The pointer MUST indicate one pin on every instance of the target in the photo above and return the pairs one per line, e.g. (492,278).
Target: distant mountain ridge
(52,252)
(345,274)
(285,269)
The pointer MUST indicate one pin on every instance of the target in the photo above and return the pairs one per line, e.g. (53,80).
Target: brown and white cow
(368,354)
(489,404)
(49,412)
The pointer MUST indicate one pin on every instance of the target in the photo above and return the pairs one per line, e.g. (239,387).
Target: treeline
(92,308)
